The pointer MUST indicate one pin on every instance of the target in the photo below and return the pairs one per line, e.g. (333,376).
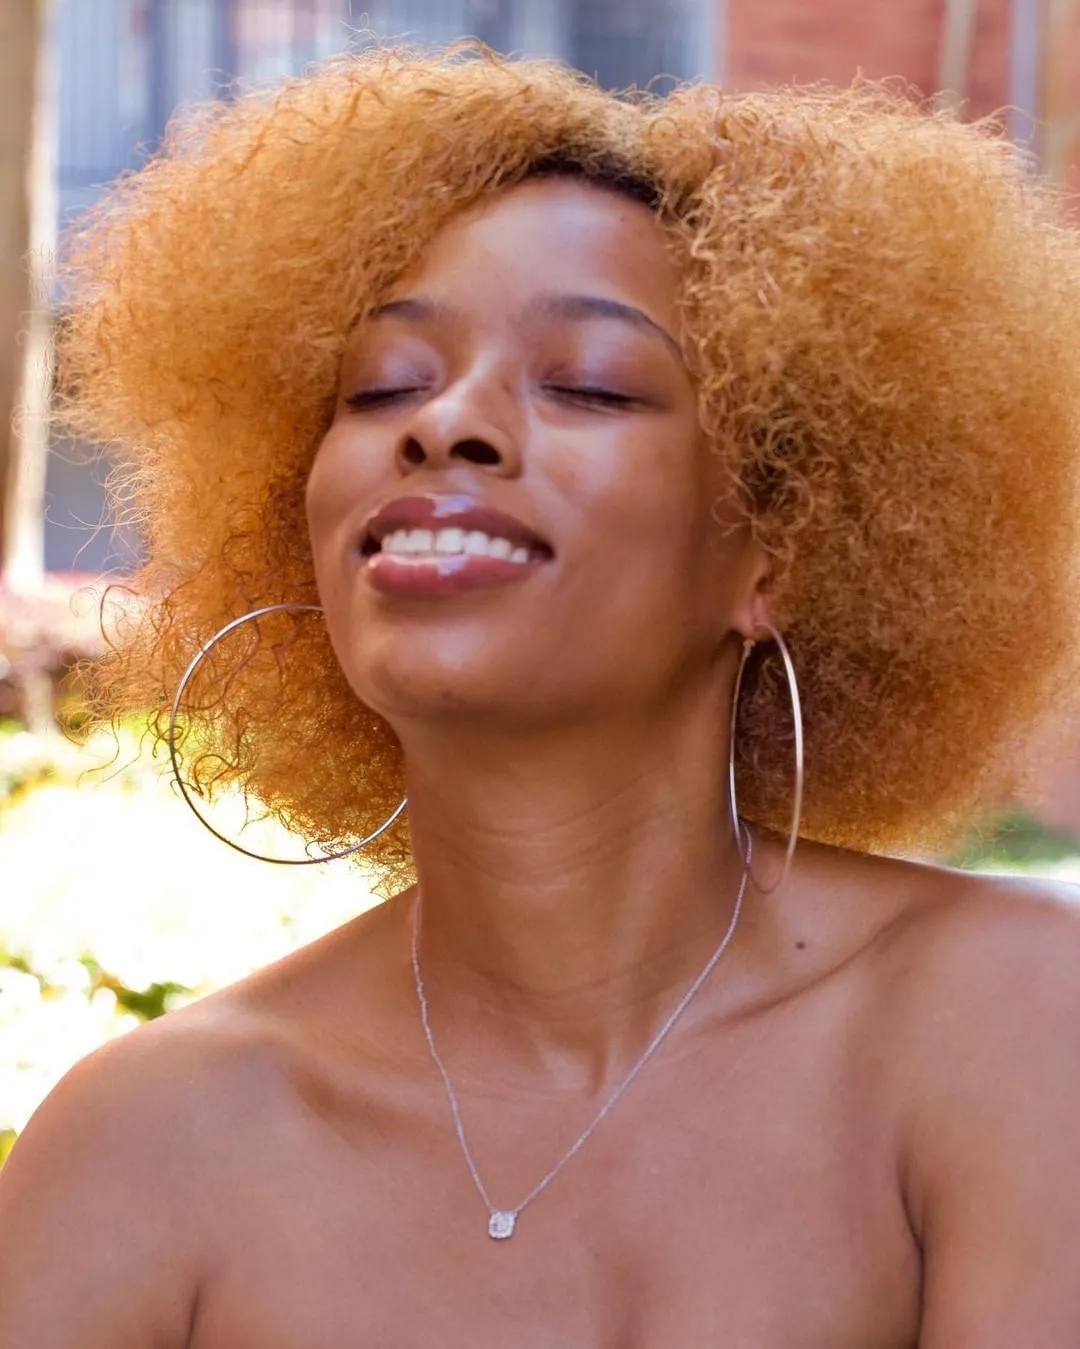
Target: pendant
(501,1224)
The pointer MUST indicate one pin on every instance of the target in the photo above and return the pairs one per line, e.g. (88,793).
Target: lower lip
(438,578)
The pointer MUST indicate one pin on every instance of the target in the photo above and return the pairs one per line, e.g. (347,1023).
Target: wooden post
(29,169)
(1062,119)
(20,29)
(956,43)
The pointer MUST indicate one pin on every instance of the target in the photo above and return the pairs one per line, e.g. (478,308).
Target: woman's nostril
(476,452)
(414,452)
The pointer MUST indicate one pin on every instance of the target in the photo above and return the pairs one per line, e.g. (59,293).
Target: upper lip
(454,510)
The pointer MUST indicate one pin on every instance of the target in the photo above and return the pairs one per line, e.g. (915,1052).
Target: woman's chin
(404,693)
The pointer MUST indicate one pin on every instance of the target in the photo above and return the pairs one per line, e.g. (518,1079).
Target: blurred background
(114,905)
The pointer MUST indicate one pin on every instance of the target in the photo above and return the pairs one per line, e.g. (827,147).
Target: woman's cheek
(336,485)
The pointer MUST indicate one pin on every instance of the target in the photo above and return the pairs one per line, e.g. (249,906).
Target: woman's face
(512,512)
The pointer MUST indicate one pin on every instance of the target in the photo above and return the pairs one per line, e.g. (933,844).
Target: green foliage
(146,1003)
(7,1142)
(9,960)
(20,773)
(60,758)
(1016,841)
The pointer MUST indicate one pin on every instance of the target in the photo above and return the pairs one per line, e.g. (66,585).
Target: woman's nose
(462,425)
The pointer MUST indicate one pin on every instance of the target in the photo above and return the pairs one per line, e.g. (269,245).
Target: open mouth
(438,528)
(433,545)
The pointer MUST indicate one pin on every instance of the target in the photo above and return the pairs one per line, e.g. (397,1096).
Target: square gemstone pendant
(501,1224)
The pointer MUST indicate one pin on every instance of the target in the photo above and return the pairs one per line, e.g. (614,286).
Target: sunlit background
(114,905)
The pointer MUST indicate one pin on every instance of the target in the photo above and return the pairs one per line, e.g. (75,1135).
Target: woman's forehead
(552,235)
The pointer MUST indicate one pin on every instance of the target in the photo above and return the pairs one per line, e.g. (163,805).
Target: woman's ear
(753,614)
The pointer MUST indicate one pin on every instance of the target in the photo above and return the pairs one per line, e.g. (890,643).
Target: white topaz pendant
(501,1224)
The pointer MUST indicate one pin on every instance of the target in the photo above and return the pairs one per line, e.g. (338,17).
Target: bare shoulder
(934,951)
(972,977)
(166,1089)
(107,1203)
(972,1018)
(976,1012)
(98,1213)
(183,1090)
(967,952)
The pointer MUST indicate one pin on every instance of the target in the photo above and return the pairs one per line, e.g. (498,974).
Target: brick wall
(768,42)
(783,41)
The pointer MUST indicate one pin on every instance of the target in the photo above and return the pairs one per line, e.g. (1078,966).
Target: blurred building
(1016,58)
(125,65)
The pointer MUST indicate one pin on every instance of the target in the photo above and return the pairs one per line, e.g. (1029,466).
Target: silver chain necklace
(502,1221)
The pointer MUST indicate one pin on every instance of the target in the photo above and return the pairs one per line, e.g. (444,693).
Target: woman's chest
(760,1213)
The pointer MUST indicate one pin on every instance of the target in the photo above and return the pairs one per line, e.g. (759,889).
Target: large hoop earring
(174,714)
(800,765)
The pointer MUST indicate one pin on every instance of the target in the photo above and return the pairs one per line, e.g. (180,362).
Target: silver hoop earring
(174,714)
(800,767)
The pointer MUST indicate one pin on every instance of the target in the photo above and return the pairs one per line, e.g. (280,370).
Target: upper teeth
(443,542)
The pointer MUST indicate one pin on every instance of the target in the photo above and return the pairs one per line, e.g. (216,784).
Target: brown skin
(861,1134)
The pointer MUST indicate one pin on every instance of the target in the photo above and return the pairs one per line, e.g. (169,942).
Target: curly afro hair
(882,312)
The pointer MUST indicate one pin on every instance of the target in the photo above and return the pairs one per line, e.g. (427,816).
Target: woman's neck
(572,885)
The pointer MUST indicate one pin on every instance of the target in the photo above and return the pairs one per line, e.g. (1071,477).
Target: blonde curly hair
(882,312)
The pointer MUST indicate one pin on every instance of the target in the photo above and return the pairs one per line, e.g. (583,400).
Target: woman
(578,419)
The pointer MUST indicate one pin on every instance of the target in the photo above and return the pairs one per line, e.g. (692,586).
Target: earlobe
(754,614)
(763,610)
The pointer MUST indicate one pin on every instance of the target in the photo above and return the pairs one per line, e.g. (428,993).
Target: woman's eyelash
(365,399)
(591,394)
(370,398)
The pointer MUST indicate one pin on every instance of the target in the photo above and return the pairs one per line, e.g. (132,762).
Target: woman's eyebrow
(567,306)
(577,307)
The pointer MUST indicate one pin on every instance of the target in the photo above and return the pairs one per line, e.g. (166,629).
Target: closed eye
(590,394)
(374,398)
